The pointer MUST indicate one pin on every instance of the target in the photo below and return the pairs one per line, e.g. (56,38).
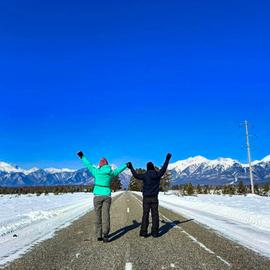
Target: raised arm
(89,165)
(134,173)
(119,170)
(165,165)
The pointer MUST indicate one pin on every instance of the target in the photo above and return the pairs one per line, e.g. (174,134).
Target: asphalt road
(183,244)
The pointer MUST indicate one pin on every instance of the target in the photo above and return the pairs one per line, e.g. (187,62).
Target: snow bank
(245,219)
(29,219)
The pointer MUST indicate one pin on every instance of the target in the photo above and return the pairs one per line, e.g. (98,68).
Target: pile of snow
(32,219)
(245,219)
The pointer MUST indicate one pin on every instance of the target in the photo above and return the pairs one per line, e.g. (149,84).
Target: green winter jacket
(103,177)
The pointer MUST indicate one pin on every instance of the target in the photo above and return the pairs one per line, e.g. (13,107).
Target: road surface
(183,244)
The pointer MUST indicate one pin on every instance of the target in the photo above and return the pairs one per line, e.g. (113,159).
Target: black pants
(150,203)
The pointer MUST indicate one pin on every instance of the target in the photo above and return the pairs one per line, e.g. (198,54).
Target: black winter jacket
(151,179)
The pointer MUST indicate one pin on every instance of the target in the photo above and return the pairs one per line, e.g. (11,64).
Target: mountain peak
(266,159)
(6,167)
(55,170)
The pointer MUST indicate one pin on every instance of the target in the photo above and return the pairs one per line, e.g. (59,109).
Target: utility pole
(249,157)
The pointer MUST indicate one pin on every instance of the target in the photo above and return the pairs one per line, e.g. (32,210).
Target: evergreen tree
(206,189)
(165,181)
(256,189)
(134,184)
(188,189)
(116,184)
(229,190)
(241,188)
(266,189)
(199,189)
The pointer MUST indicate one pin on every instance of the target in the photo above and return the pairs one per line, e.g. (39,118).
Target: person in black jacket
(151,183)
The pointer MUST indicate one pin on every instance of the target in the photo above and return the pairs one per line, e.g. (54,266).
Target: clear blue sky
(132,80)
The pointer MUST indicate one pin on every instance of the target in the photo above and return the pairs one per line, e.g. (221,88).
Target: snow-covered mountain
(198,170)
(15,176)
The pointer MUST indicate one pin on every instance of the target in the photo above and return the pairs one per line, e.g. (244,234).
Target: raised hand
(129,165)
(169,155)
(80,154)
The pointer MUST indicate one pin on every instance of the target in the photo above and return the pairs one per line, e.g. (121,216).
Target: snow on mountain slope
(266,159)
(54,170)
(6,167)
(197,161)
(194,162)
(198,170)
(225,163)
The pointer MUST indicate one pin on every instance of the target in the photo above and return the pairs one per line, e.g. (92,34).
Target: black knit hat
(150,166)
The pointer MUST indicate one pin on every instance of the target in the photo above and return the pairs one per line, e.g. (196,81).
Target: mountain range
(198,170)
(221,171)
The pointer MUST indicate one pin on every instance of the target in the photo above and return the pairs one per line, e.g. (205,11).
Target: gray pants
(102,206)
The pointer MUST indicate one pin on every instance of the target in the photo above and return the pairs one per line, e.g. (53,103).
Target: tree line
(60,189)
(239,189)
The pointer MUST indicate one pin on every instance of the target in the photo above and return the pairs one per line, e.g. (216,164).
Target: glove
(168,157)
(129,165)
(80,154)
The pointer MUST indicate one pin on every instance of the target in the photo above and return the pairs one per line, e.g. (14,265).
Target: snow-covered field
(29,219)
(245,219)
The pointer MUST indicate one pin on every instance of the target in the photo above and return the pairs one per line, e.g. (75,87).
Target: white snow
(194,162)
(6,167)
(266,159)
(30,170)
(29,219)
(181,165)
(55,170)
(224,162)
(245,219)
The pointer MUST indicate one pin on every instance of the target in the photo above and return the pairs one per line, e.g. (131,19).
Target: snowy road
(245,219)
(183,244)
(29,219)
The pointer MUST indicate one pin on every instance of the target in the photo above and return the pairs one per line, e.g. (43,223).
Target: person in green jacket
(103,175)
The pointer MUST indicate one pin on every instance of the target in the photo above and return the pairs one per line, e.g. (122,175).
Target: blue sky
(132,80)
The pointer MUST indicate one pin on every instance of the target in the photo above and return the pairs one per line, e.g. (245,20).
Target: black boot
(143,234)
(106,239)
(100,239)
(154,234)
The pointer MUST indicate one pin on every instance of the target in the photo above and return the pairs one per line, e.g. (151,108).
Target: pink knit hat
(103,162)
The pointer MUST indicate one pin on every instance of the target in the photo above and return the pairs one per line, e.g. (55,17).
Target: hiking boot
(106,239)
(154,234)
(143,234)
(100,239)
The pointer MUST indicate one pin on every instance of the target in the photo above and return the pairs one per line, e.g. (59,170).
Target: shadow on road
(170,225)
(119,233)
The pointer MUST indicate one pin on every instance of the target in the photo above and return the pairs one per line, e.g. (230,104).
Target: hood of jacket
(105,169)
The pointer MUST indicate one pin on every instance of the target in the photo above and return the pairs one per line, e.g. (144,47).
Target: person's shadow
(170,225)
(119,233)
(162,230)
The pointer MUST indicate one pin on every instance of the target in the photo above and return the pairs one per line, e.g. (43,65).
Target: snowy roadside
(244,219)
(29,219)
